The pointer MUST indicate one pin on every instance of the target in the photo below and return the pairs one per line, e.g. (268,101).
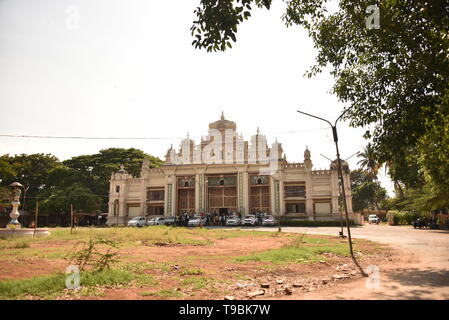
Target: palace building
(223,173)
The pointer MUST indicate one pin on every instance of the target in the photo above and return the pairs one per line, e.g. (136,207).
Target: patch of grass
(165,293)
(197,282)
(192,272)
(42,286)
(49,285)
(14,244)
(301,250)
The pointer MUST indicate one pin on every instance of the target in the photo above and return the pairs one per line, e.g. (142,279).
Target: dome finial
(222,115)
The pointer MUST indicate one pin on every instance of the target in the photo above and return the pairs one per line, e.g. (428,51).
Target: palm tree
(369,161)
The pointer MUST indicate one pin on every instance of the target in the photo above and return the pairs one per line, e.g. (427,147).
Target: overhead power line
(128,138)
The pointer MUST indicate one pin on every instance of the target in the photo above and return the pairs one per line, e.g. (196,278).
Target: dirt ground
(419,270)
(223,275)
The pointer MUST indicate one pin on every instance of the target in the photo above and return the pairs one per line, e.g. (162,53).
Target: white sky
(128,69)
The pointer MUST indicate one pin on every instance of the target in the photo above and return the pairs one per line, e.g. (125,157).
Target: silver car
(196,221)
(137,222)
(156,221)
(250,220)
(233,221)
(268,221)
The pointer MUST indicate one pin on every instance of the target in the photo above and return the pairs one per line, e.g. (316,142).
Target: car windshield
(249,217)
(269,217)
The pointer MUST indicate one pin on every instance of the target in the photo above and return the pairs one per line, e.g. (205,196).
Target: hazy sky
(115,68)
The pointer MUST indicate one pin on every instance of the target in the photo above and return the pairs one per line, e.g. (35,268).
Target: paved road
(423,275)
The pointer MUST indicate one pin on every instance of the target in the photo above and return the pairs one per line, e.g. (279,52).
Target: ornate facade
(224,174)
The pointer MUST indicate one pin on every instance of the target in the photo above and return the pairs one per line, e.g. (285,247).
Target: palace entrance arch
(222,194)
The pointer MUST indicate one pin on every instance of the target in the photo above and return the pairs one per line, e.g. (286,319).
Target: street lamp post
(340,173)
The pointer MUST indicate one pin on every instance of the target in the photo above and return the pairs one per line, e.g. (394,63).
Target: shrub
(396,217)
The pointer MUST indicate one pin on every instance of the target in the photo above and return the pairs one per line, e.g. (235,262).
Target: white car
(249,220)
(156,221)
(268,221)
(233,221)
(137,222)
(196,221)
(372,218)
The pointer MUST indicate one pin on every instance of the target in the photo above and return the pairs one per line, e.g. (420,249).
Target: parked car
(372,218)
(250,220)
(196,221)
(137,222)
(170,221)
(156,221)
(268,221)
(233,221)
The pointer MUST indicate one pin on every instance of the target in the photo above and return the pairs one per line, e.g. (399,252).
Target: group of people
(260,215)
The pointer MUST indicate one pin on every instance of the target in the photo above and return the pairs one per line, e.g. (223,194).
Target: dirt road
(422,274)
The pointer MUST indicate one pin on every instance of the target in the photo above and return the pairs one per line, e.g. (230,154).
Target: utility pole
(340,173)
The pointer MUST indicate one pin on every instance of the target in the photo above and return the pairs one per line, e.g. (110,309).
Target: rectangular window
(155,194)
(298,207)
(294,191)
(155,210)
(117,189)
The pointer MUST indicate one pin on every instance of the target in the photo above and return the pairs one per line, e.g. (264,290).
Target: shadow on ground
(415,284)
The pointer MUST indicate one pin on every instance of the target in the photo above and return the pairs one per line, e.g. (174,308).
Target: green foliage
(217,21)
(81,180)
(55,199)
(395,217)
(192,272)
(394,79)
(368,194)
(420,200)
(51,285)
(299,251)
(165,293)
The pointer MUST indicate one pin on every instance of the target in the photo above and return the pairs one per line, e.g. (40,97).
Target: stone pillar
(272,195)
(281,197)
(309,198)
(143,196)
(348,192)
(245,194)
(335,191)
(240,191)
(197,192)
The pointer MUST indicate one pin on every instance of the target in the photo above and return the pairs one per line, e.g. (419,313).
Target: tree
(95,170)
(59,199)
(369,161)
(394,78)
(30,170)
(366,193)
